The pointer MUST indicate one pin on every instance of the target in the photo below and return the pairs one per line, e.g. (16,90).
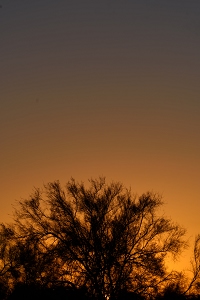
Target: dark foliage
(93,242)
(34,292)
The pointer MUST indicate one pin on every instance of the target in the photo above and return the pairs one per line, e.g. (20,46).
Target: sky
(102,88)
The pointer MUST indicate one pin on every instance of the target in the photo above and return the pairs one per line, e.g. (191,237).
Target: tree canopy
(100,239)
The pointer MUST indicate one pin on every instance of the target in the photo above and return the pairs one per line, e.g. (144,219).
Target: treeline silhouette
(93,242)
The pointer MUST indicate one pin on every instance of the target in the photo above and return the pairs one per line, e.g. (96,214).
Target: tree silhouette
(100,238)
(9,260)
(193,287)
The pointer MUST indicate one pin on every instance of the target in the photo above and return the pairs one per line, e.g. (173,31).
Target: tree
(102,237)
(9,260)
(193,287)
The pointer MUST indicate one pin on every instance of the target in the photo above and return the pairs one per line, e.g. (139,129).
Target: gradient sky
(91,88)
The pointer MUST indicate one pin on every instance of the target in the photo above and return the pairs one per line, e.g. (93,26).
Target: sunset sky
(111,88)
